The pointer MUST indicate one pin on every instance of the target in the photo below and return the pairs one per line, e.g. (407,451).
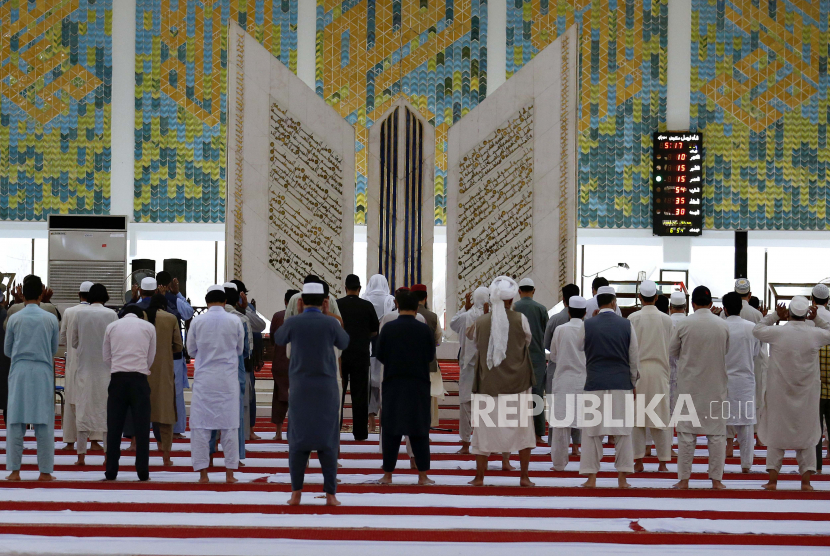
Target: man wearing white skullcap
(567,353)
(788,420)
(612,361)
(677,312)
(503,368)
(653,330)
(821,293)
(537,318)
(142,294)
(475,306)
(68,423)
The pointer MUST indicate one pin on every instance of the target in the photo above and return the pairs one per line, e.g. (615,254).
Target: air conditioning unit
(83,248)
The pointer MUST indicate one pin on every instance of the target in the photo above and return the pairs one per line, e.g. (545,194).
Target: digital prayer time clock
(677,183)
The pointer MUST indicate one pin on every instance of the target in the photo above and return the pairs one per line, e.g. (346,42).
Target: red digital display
(677,173)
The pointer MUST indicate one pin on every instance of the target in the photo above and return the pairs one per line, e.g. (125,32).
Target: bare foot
(372,422)
(807,487)
(69,446)
(295,498)
(229,478)
(412,463)
(241,464)
(167,462)
(622,483)
(505,465)
(131,447)
(465,448)
(46,477)
(638,466)
(179,436)
(526,482)
(539,439)
(477,482)
(254,436)
(662,467)
(13,476)
(386,479)
(674,453)
(682,484)
(423,480)
(717,485)
(331,500)
(94,446)
(648,451)
(203,476)
(81,460)
(771,486)
(590,483)
(575,450)
(744,469)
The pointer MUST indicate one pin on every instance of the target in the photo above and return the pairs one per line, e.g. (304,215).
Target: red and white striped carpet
(172,514)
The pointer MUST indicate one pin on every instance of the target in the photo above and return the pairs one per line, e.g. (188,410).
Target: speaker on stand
(741,248)
(178,269)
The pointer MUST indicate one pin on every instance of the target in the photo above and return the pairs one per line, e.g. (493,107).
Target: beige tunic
(788,419)
(700,342)
(71,365)
(653,330)
(162,381)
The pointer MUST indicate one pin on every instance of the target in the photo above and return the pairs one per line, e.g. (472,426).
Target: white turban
(502,289)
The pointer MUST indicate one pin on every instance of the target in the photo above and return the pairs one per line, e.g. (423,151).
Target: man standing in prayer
(406,347)
(142,294)
(377,293)
(70,431)
(788,420)
(85,334)
(653,330)
(593,303)
(279,371)
(216,340)
(677,312)
(5,362)
(740,367)
(314,398)
(162,377)
(437,388)
(700,343)
(361,324)
(31,343)
(537,318)
(821,295)
(612,359)
(555,321)
(255,327)
(503,368)
(567,355)
(475,306)
(19,304)
(129,351)
(231,301)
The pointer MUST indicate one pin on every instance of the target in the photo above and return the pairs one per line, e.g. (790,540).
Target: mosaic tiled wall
(622,94)
(181,92)
(433,51)
(759,96)
(55,91)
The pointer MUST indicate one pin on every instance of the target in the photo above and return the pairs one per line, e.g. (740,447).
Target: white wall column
(496,44)
(307,41)
(679,70)
(123,107)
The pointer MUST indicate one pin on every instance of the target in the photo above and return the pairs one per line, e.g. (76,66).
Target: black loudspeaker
(142,264)
(178,269)
(741,245)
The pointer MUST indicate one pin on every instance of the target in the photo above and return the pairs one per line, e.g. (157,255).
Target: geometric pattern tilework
(759,96)
(181,92)
(622,95)
(55,97)
(432,51)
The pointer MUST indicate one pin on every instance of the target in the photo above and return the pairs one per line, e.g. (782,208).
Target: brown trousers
(164,436)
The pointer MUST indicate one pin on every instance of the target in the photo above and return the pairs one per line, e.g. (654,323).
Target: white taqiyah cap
(648,288)
(313,288)
(148,284)
(606,290)
(216,288)
(85,286)
(577,302)
(820,291)
(526,282)
(742,286)
(799,306)
(229,285)
(678,299)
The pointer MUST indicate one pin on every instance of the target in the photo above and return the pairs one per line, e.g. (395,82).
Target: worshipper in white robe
(377,292)
(70,432)
(92,377)
(700,343)
(503,370)
(612,362)
(677,312)
(216,340)
(821,296)
(788,420)
(476,305)
(740,369)
(653,330)
(31,343)
(567,354)
(593,306)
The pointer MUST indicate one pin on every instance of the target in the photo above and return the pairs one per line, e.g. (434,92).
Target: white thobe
(567,357)
(216,339)
(753,315)
(70,366)
(675,318)
(788,419)
(654,330)
(740,369)
(467,352)
(92,376)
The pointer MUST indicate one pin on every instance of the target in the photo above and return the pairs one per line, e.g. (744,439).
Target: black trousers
(356,376)
(392,445)
(128,392)
(823,417)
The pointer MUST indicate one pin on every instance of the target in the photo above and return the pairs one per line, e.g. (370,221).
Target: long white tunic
(567,353)
(92,376)
(71,363)
(654,330)
(467,352)
(788,418)
(675,318)
(740,369)
(700,342)
(216,339)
